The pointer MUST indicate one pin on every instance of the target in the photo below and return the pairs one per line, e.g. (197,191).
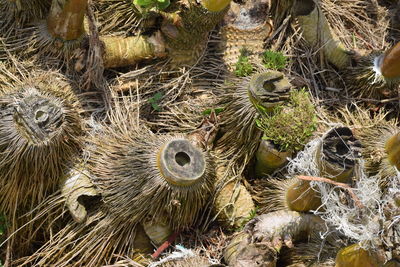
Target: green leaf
(156,107)
(143,3)
(209,110)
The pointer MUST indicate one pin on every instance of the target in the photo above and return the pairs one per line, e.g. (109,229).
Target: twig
(164,245)
(344,186)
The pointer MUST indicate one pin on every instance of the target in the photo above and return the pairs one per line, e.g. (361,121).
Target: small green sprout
(209,110)
(243,66)
(290,126)
(274,60)
(155,100)
(251,216)
(152,4)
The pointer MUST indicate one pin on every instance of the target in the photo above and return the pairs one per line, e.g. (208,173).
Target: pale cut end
(125,51)
(157,231)
(181,163)
(269,159)
(37,117)
(392,148)
(269,89)
(65,20)
(301,197)
(390,67)
(215,5)
(355,256)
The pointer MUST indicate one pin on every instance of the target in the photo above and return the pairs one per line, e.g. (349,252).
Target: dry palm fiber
(187,39)
(335,157)
(183,257)
(356,24)
(243,98)
(182,36)
(356,217)
(245,26)
(126,180)
(374,75)
(18,13)
(265,235)
(186,92)
(391,210)
(319,250)
(375,133)
(117,17)
(59,35)
(316,32)
(109,228)
(41,133)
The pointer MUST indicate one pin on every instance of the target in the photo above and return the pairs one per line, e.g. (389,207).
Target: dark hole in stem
(182,159)
(41,116)
(269,86)
(341,148)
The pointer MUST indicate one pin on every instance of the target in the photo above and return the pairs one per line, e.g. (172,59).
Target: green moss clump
(274,60)
(243,66)
(290,126)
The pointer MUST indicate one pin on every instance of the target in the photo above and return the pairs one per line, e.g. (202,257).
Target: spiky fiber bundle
(126,170)
(245,26)
(35,149)
(364,80)
(59,35)
(241,136)
(17,13)
(373,130)
(286,194)
(186,43)
(40,134)
(117,16)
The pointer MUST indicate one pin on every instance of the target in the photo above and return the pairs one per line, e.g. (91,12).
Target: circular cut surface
(37,117)
(181,163)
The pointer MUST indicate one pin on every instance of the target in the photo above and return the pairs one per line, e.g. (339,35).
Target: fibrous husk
(186,39)
(310,15)
(182,34)
(286,194)
(373,131)
(240,139)
(131,190)
(318,251)
(245,26)
(117,17)
(60,35)
(40,135)
(264,236)
(18,13)
(183,257)
(363,80)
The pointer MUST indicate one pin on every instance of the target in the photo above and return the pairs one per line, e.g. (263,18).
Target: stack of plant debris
(199,133)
